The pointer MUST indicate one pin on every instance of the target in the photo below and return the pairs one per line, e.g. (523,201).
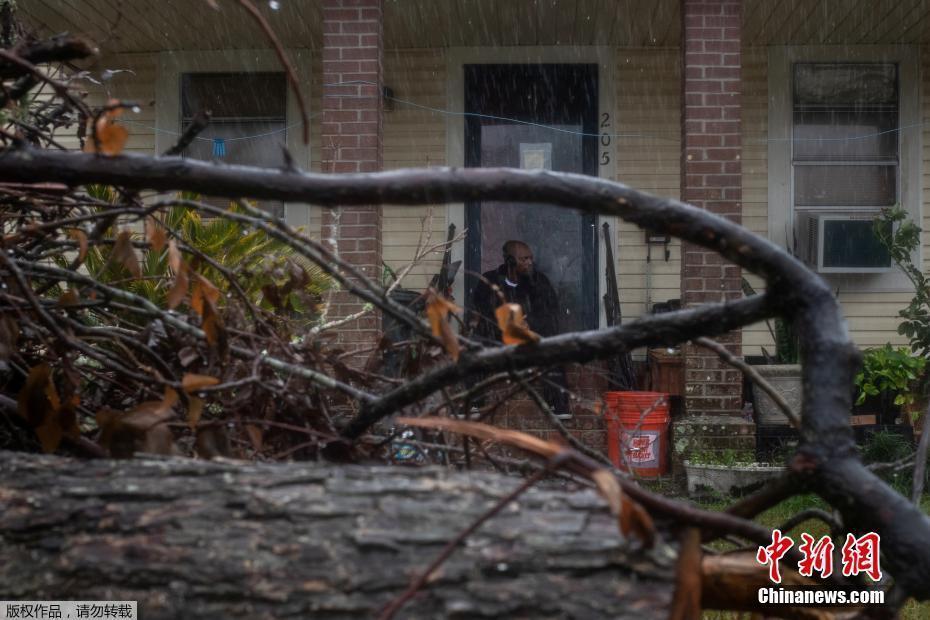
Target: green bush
(902,239)
(892,372)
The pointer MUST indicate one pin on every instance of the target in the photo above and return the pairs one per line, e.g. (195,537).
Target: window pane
(845,185)
(234,95)
(845,84)
(262,147)
(834,135)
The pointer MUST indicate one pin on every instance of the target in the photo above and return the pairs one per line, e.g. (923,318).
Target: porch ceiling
(144,25)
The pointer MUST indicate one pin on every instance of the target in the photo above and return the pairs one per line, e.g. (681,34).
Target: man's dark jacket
(534,293)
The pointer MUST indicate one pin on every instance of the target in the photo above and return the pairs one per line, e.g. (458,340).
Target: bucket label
(641,448)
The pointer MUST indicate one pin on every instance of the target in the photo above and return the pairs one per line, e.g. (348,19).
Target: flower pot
(737,479)
(786,379)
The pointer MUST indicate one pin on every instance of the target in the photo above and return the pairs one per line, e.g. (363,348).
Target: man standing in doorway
(520,282)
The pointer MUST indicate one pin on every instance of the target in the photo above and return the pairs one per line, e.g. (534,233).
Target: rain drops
(274,5)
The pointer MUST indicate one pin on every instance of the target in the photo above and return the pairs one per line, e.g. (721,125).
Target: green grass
(774,517)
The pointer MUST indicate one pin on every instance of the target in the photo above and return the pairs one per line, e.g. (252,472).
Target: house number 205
(605,138)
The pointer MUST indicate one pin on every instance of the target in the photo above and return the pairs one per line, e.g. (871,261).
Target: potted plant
(888,381)
(727,472)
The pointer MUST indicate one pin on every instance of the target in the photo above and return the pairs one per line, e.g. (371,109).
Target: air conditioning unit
(841,242)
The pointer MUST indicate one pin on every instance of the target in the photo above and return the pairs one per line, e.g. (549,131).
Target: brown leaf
(203,289)
(437,311)
(78,235)
(610,489)
(632,518)
(111,138)
(255,436)
(178,290)
(194,411)
(686,603)
(32,402)
(125,255)
(213,328)
(512,324)
(69,298)
(192,382)
(155,234)
(181,282)
(149,413)
(175,258)
(39,404)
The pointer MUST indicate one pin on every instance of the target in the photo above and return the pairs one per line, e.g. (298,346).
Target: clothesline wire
(517,121)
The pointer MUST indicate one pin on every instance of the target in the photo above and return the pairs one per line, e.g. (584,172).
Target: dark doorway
(535,116)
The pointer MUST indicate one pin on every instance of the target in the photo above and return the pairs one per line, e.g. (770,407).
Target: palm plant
(268,271)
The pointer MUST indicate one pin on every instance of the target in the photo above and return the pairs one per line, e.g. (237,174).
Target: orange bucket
(637,431)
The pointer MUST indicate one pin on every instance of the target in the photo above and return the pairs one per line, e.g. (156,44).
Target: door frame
(587,73)
(457,58)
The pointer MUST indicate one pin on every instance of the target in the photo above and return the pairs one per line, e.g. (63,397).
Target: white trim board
(456,59)
(780,188)
(171,64)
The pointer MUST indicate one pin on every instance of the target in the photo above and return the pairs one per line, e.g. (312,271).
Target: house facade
(796,118)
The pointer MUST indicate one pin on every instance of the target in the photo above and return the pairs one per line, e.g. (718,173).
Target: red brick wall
(586,382)
(711,179)
(351,138)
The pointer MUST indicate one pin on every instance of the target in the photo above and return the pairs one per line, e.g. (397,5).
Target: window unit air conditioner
(841,242)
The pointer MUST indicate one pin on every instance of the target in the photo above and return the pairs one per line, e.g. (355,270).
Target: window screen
(248,125)
(845,139)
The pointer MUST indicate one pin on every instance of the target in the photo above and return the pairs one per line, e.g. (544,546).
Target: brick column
(711,180)
(351,139)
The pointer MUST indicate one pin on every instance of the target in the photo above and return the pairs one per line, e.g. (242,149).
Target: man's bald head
(519,257)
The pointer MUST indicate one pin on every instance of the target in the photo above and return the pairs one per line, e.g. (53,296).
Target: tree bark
(198,539)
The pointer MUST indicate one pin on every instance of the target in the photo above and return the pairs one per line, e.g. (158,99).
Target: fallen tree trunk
(202,539)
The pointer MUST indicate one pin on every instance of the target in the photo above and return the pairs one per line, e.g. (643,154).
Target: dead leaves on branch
(107,137)
(124,254)
(81,238)
(510,320)
(155,234)
(438,309)
(179,268)
(40,405)
(203,293)
(192,382)
(632,518)
(512,323)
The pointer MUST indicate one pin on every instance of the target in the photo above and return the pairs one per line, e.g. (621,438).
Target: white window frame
(456,59)
(780,125)
(172,64)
